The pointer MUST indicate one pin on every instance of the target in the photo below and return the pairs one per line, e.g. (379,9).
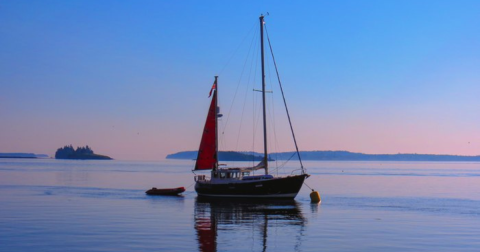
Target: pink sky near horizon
(153,140)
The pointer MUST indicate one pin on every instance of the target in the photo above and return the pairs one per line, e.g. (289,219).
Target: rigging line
(241,122)
(187,192)
(249,58)
(253,123)
(307,185)
(287,160)
(255,104)
(284,101)
(257,119)
(238,47)
(250,83)
(222,141)
(273,141)
(272,116)
(240,80)
(251,80)
(246,94)
(290,158)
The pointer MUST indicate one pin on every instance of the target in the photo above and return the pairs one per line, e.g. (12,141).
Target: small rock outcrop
(68,152)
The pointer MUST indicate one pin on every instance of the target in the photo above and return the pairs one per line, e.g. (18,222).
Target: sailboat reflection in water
(240,182)
(256,226)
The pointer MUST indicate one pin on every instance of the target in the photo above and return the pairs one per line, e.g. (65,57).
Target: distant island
(22,155)
(83,153)
(336,156)
(222,156)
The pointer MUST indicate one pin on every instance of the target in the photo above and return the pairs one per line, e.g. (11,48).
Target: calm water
(54,205)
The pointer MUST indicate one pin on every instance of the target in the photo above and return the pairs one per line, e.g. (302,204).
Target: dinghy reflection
(240,225)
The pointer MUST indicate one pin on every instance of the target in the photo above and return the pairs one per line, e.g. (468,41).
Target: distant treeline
(68,152)
(344,156)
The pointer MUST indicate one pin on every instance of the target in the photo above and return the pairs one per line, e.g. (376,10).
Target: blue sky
(130,78)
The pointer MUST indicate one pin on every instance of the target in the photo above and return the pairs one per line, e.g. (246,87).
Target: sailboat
(239,182)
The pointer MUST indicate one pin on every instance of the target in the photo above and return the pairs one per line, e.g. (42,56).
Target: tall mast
(265,157)
(216,124)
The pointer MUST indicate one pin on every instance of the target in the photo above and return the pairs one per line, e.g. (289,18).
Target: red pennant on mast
(214,86)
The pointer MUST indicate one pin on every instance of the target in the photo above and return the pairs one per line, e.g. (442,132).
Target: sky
(131,78)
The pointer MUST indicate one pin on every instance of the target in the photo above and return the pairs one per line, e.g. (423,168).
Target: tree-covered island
(68,152)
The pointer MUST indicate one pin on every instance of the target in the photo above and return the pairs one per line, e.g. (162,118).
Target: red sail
(207,153)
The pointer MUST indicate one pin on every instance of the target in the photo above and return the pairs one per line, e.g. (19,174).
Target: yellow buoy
(315,197)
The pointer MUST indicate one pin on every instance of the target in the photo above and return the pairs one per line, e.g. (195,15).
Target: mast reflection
(244,224)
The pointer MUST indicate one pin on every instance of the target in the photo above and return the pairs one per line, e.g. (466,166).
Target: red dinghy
(165,191)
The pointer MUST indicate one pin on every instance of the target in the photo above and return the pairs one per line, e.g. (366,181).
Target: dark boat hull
(168,191)
(276,188)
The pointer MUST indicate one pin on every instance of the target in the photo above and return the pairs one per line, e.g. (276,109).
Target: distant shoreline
(23,155)
(222,156)
(342,156)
